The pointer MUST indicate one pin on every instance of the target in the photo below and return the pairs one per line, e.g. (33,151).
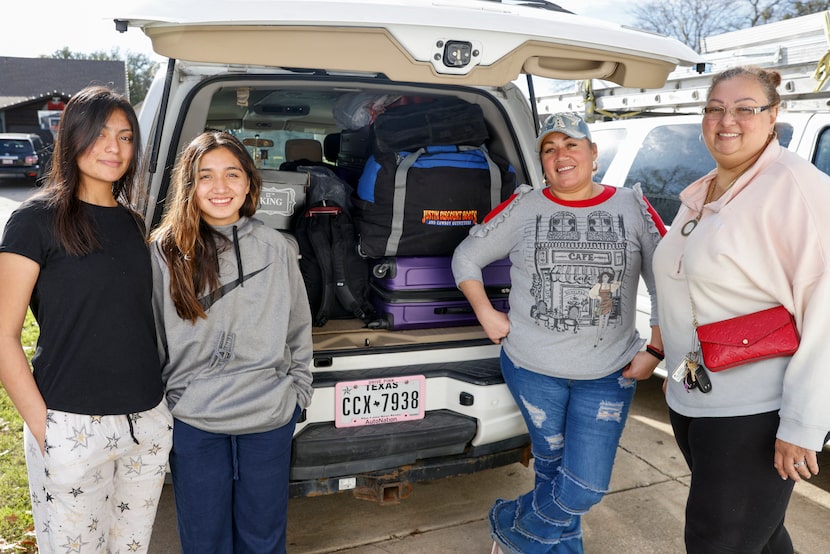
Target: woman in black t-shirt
(97,433)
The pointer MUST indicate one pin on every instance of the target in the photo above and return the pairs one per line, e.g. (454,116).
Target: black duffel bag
(442,122)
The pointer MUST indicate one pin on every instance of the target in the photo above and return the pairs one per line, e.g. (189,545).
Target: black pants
(737,500)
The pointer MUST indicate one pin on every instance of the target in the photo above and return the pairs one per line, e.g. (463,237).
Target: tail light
(31,160)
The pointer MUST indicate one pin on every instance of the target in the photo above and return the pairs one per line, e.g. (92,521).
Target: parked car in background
(665,153)
(318,72)
(23,156)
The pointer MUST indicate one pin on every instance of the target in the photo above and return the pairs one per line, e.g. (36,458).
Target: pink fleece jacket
(766,242)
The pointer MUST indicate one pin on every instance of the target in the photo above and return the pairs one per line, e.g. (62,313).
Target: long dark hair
(189,245)
(84,116)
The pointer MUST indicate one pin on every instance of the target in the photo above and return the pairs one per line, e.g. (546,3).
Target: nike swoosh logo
(212,298)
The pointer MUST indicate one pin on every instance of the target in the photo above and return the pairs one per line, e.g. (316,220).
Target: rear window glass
(13,147)
(674,156)
(821,159)
(785,133)
(670,158)
(608,142)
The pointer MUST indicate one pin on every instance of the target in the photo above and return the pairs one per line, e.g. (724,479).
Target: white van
(274,71)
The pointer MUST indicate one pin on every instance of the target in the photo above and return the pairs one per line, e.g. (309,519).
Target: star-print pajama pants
(97,485)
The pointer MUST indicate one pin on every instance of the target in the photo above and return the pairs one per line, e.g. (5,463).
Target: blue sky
(85,26)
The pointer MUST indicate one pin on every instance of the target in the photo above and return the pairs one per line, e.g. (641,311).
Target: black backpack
(336,277)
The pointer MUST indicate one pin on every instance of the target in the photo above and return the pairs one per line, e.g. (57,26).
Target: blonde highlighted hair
(769,79)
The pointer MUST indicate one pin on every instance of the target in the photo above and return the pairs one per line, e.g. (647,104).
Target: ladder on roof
(798,48)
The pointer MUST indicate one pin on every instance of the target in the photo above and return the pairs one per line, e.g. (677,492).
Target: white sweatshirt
(766,242)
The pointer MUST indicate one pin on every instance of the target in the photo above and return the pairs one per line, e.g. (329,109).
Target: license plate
(377,401)
(8,161)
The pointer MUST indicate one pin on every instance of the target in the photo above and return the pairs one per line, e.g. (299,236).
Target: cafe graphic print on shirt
(579,263)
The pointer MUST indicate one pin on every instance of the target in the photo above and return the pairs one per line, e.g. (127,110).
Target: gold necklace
(690,225)
(592,193)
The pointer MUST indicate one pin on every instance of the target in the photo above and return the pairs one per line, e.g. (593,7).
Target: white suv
(286,69)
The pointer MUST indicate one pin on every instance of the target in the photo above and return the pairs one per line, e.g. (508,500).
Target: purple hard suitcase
(431,272)
(424,309)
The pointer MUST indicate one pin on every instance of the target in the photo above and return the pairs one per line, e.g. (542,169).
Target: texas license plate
(376,401)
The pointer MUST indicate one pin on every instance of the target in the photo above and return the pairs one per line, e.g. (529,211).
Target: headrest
(331,147)
(303,149)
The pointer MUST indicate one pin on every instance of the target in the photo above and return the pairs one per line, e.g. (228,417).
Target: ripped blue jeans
(574,428)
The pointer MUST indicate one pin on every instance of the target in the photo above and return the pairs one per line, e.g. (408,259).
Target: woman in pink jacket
(750,235)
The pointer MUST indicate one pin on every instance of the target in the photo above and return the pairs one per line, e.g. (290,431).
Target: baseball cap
(566,123)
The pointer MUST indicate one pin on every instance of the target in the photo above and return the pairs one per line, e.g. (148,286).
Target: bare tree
(767,11)
(692,20)
(688,20)
(805,8)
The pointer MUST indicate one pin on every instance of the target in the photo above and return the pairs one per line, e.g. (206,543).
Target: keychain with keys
(695,375)
(691,372)
(691,365)
(701,376)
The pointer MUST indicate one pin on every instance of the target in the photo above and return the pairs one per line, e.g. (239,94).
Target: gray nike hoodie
(245,368)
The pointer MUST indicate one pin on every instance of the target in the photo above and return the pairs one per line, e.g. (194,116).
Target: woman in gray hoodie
(235,342)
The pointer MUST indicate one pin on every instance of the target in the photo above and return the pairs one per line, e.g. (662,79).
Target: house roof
(33,79)
(18,101)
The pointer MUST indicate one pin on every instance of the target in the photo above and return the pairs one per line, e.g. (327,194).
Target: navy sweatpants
(231,491)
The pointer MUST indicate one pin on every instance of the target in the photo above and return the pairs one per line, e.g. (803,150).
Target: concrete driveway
(643,513)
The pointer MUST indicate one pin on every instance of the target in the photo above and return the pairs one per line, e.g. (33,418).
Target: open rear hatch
(416,41)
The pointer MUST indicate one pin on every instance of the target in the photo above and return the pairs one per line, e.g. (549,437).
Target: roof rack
(798,48)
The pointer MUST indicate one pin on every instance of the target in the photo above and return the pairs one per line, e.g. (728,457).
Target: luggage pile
(429,179)
(383,253)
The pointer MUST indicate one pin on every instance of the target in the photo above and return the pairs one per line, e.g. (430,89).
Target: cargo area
(302,132)
(352,334)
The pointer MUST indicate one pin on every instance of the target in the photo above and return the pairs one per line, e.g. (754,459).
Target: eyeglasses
(739,113)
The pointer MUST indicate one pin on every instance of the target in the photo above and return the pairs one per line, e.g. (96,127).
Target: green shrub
(16,524)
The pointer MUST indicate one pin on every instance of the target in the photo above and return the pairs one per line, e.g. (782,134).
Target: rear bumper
(391,484)
(471,423)
(23,172)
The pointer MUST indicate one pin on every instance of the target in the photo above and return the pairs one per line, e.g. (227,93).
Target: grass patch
(15,508)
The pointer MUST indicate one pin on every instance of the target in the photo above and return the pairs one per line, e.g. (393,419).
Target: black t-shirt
(97,351)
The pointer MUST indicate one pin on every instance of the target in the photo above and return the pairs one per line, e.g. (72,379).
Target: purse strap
(694,311)
(695,338)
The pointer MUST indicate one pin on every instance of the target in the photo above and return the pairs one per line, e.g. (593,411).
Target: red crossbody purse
(748,338)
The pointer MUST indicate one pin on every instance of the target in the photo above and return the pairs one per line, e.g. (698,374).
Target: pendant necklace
(690,225)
